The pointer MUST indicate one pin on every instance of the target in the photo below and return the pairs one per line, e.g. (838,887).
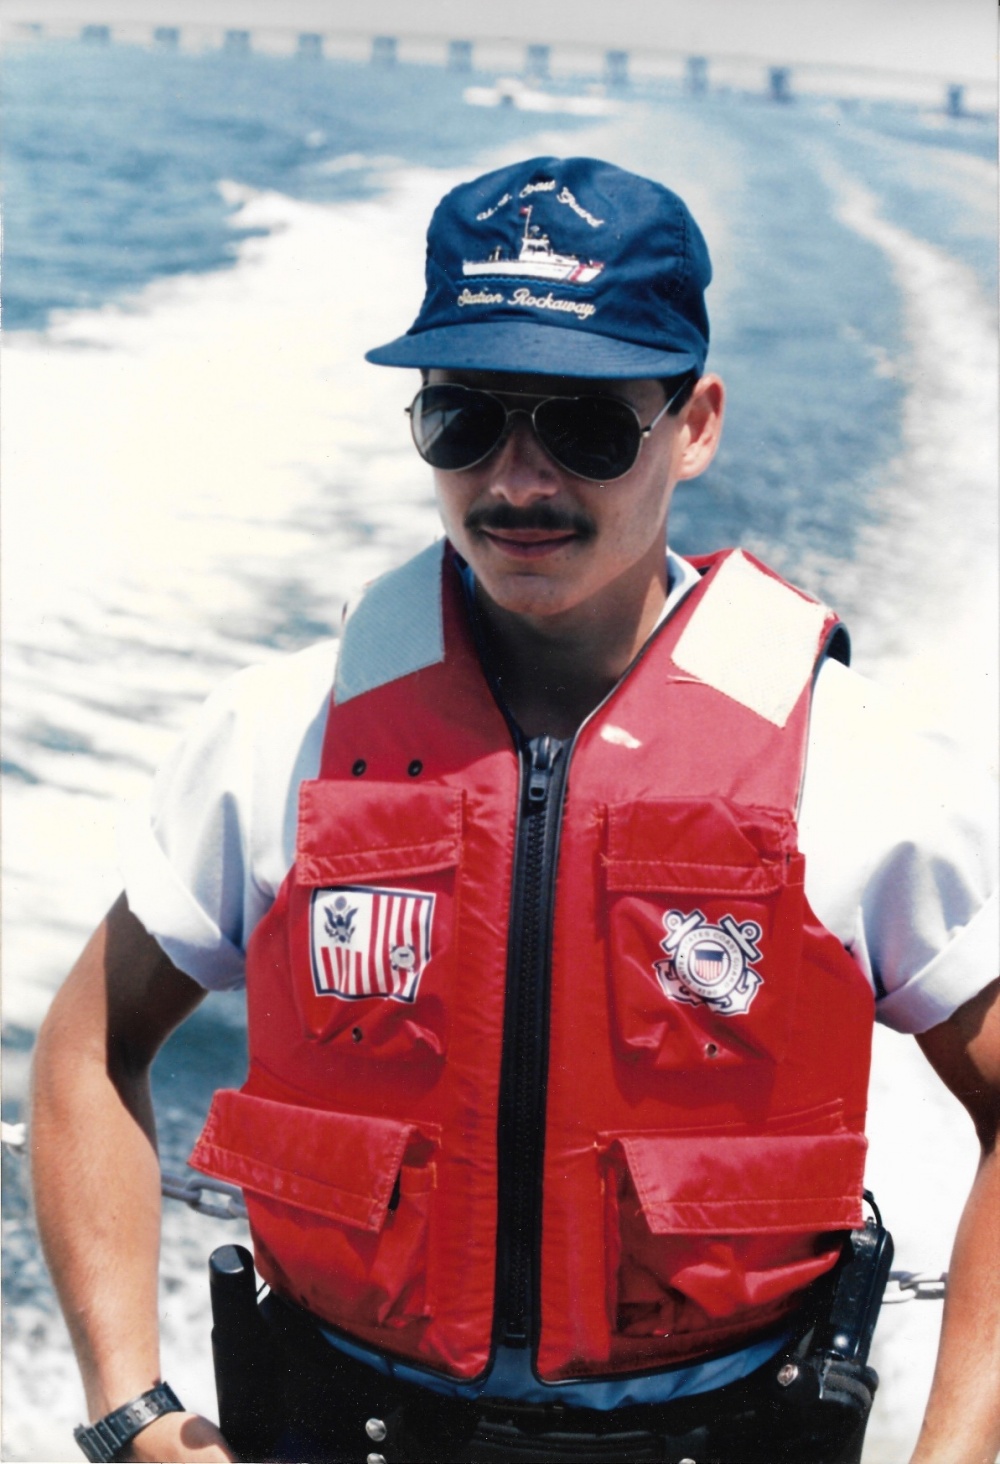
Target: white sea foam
(923,583)
(924,577)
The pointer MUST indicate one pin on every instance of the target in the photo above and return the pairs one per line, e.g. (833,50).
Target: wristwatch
(103,1441)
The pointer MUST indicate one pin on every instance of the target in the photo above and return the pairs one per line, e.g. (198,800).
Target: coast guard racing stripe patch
(369,942)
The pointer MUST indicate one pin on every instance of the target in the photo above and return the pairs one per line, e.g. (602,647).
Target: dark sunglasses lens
(454,426)
(593,437)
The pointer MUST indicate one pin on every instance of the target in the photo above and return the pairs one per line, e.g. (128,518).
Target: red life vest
(590,1078)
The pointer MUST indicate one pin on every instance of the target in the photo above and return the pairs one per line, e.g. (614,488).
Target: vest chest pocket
(339,1205)
(372,916)
(705,909)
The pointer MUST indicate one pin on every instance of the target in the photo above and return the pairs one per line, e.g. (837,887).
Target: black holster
(246,1378)
(824,1382)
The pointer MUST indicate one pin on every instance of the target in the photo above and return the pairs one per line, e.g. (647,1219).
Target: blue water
(112,161)
(113,155)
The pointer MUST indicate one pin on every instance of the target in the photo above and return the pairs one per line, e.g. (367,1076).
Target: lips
(529,543)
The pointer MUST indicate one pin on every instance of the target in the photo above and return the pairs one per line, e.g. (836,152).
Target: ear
(701,427)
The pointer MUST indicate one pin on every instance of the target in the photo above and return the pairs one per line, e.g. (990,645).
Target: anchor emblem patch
(710,965)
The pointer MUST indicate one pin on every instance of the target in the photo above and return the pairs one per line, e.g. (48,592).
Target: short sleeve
(900,838)
(205,855)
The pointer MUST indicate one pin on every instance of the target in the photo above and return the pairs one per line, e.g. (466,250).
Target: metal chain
(189,1190)
(903,1285)
(915,1286)
(14,1136)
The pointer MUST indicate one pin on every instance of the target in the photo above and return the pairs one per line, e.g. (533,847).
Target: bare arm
(96,1175)
(962,1424)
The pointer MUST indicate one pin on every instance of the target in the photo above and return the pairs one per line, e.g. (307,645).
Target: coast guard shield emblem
(710,965)
(369,942)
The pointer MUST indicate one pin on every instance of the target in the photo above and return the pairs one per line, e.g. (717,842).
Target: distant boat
(536,260)
(511,91)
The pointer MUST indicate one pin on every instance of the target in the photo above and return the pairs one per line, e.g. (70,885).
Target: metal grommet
(375,1459)
(376,1430)
(788,1374)
(416,768)
(711,1049)
(356,1036)
(686,1461)
(359,767)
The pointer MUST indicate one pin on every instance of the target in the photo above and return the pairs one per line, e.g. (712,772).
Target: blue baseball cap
(564,267)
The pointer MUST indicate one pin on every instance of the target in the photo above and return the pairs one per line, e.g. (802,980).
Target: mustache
(542,516)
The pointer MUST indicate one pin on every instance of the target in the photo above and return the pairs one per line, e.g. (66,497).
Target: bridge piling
(459,55)
(696,75)
(616,68)
(385,50)
(779,83)
(537,60)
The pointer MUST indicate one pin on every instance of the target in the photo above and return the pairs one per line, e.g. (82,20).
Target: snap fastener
(376,1430)
(416,768)
(375,1459)
(788,1374)
(359,767)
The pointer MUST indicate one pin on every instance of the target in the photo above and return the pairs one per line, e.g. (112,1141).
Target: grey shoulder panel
(397,627)
(753,638)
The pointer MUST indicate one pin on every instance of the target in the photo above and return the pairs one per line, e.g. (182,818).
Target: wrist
(105,1439)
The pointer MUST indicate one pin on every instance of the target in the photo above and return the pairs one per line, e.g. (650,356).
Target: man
(552,1136)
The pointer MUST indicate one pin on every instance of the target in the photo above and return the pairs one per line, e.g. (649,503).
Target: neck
(553,671)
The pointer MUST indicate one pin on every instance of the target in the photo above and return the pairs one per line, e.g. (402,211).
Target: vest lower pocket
(709,1238)
(339,1206)
(705,912)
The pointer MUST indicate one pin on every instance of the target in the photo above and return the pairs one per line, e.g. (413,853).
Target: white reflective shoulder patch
(396,627)
(753,639)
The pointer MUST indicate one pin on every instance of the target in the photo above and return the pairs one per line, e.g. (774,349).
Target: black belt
(331,1396)
(287,1393)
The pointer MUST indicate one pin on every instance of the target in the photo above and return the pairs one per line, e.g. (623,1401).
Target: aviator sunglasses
(594,437)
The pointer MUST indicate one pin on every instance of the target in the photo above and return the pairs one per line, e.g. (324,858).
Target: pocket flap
(728,1184)
(712,847)
(351,831)
(339,1165)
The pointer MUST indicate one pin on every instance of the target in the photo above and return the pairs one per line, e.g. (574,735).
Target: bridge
(538,40)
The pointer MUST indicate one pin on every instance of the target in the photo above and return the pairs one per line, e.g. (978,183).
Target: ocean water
(199,470)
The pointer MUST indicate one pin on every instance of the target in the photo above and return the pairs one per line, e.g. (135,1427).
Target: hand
(179,1438)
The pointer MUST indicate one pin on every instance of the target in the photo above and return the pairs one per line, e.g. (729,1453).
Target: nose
(521,471)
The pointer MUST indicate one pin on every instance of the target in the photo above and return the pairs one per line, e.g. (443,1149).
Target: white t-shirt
(898,835)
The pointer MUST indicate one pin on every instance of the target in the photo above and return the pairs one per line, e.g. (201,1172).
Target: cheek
(631,526)
(453,498)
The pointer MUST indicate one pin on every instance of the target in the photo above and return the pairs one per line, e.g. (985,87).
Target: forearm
(962,1423)
(96,1173)
(96,1184)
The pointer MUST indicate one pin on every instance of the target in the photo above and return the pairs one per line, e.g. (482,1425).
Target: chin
(531,597)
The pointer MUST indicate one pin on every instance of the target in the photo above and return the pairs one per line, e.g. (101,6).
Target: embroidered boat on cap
(536,260)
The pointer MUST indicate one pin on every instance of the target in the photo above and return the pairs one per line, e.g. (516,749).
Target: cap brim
(529,348)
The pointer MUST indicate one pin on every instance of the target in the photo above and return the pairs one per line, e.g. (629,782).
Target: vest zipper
(525,1050)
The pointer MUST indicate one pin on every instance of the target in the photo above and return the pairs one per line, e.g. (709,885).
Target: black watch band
(103,1441)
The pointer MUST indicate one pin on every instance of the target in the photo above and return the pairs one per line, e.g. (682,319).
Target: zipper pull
(543,752)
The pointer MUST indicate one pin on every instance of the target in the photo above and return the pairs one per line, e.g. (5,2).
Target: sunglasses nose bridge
(521,466)
(510,426)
